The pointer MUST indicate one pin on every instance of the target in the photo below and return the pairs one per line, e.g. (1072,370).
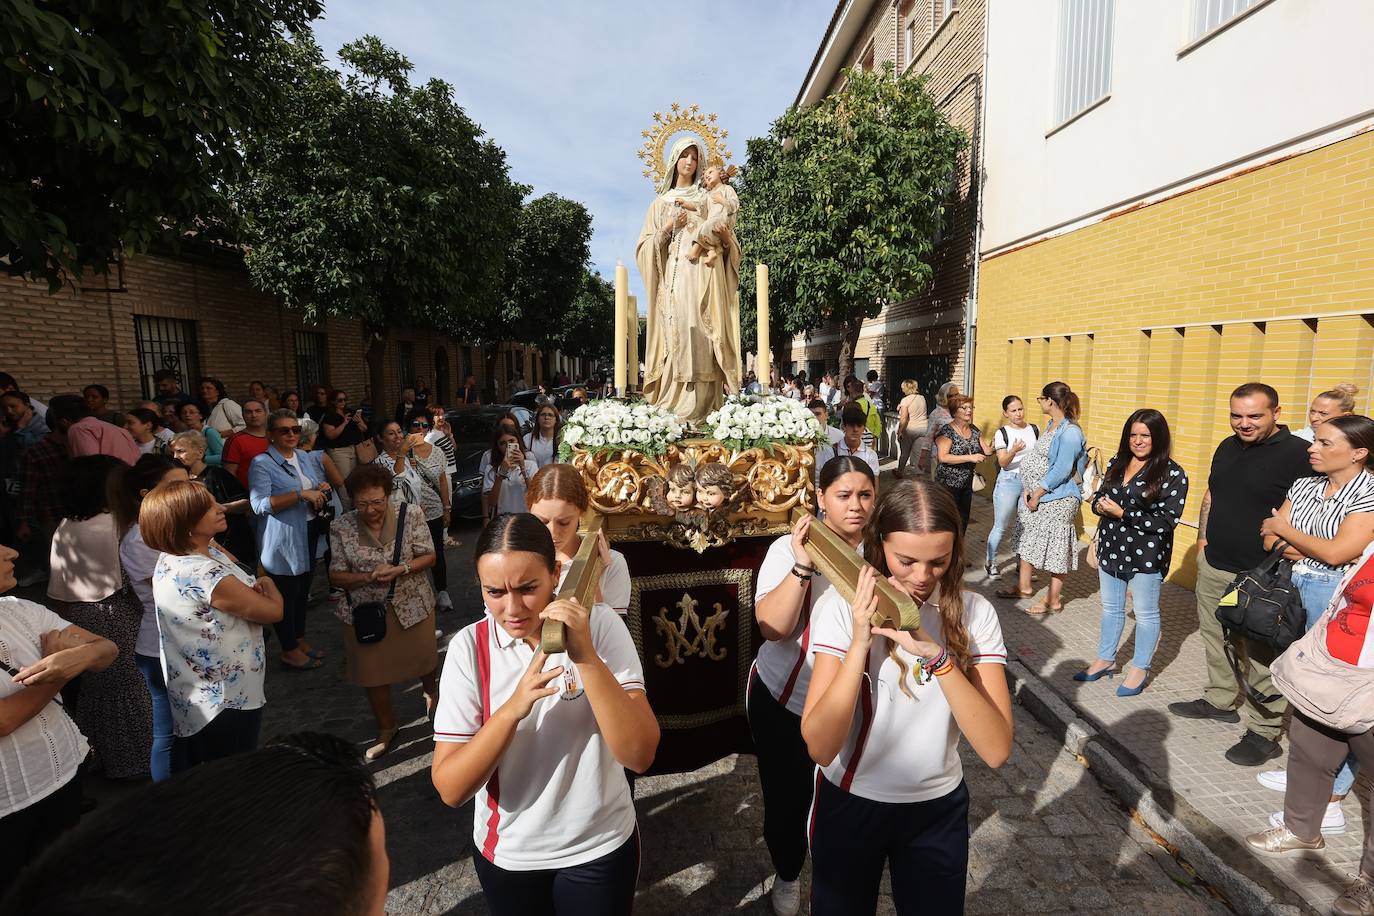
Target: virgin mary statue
(691,354)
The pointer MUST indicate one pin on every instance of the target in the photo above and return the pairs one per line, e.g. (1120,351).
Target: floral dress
(1048,537)
(213,660)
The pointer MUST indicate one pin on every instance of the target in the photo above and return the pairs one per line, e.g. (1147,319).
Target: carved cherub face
(682,496)
(712,497)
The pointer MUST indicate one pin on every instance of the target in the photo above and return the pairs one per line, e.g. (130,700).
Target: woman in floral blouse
(363,544)
(210,615)
(1139,503)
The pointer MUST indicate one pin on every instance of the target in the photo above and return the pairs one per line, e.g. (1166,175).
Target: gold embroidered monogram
(680,645)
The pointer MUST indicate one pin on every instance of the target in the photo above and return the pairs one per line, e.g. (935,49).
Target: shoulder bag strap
(402,512)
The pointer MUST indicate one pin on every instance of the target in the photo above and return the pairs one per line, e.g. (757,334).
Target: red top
(240,451)
(1348,634)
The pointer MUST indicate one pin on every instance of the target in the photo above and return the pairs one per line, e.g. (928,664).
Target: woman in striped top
(1327,522)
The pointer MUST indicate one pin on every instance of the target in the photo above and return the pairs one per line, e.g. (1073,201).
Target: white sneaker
(786,897)
(1274,779)
(1333,821)
(444,602)
(32,577)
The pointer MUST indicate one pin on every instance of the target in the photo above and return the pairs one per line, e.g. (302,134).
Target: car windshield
(472,427)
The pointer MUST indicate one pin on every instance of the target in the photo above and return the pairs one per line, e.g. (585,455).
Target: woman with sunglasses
(418,477)
(342,429)
(287,488)
(542,442)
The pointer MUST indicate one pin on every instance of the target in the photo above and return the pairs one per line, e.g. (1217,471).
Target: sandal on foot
(1041,609)
(1012,591)
(305,666)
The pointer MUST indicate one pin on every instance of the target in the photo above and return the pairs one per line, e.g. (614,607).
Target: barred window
(166,343)
(1209,15)
(312,362)
(1085,56)
(405,363)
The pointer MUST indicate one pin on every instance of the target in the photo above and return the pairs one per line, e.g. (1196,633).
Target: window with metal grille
(312,362)
(166,343)
(1085,56)
(1209,15)
(405,363)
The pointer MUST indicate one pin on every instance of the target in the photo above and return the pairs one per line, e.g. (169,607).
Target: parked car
(471,429)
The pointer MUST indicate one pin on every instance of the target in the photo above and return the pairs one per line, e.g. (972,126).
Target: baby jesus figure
(717,232)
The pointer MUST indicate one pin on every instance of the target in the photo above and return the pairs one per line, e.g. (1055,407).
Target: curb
(1216,857)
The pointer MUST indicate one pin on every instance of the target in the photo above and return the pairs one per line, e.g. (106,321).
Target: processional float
(689,483)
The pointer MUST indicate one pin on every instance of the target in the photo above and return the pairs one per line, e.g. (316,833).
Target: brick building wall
(78,336)
(1265,276)
(923,337)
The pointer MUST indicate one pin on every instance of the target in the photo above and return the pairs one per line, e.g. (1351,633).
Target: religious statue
(692,349)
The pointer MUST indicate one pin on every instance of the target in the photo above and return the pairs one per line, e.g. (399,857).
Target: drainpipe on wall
(971,303)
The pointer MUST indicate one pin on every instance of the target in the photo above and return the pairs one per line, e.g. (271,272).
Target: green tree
(591,319)
(545,272)
(842,201)
(377,200)
(120,121)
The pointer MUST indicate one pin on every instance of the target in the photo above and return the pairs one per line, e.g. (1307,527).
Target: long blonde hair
(923,506)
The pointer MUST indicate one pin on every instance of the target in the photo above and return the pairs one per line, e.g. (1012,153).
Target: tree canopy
(545,271)
(377,200)
(120,122)
(842,201)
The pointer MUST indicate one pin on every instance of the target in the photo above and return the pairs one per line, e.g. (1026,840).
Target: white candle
(622,305)
(763,365)
(632,340)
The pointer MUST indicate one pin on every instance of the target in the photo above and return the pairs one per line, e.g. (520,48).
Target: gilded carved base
(633,492)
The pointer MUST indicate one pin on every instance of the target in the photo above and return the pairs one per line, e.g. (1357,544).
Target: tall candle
(764,363)
(632,341)
(622,306)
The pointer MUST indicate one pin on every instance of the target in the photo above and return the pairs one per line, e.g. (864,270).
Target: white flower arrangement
(747,421)
(610,425)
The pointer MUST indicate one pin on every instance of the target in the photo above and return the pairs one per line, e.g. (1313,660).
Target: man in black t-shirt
(1250,476)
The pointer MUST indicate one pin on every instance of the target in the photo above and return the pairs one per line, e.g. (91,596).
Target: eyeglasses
(420,424)
(290,430)
(369,503)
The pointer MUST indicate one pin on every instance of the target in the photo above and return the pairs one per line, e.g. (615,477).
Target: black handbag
(1262,606)
(369,618)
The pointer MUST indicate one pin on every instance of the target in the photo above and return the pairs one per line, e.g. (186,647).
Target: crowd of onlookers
(174,536)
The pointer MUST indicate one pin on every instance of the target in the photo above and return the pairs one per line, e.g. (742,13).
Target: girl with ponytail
(885,711)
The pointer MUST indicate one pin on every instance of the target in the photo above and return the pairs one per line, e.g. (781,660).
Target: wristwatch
(407,566)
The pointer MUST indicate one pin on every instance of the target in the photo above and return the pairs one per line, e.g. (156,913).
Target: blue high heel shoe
(1124,691)
(1083,676)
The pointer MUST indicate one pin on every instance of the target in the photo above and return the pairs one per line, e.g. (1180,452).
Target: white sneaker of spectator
(444,602)
(1274,779)
(1333,821)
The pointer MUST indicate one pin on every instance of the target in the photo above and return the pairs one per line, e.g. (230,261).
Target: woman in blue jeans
(139,561)
(1139,503)
(1011,441)
(1327,522)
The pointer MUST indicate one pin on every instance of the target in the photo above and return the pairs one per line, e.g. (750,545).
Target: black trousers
(787,775)
(963,498)
(27,832)
(230,732)
(924,845)
(602,887)
(295,593)
(437,532)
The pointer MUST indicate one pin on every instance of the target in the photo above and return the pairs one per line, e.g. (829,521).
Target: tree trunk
(849,342)
(374,350)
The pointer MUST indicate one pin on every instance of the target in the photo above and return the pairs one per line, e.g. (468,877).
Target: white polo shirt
(558,797)
(784,665)
(893,752)
(615,583)
(863,452)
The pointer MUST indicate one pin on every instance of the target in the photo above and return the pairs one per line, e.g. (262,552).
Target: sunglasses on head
(293,430)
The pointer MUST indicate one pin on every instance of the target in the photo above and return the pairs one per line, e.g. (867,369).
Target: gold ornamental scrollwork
(689,635)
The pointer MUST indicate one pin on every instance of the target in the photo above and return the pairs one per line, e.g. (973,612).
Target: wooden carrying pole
(838,562)
(584,578)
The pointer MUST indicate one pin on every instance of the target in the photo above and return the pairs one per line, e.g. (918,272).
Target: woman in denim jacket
(1050,474)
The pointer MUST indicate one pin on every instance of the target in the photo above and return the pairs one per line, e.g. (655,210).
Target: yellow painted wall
(1266,276)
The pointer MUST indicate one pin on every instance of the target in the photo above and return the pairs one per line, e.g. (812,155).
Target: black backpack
(1267,610)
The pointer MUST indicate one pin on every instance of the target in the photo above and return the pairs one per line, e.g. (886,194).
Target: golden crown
(680,119)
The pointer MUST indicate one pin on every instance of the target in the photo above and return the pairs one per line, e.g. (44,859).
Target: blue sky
(566,88)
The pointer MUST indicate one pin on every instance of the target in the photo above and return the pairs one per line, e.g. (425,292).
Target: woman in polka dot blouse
(1139,504)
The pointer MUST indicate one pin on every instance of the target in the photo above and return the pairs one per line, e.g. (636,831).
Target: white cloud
(566,88)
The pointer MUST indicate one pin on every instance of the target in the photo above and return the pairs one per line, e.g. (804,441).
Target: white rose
(596,441)
(572,435)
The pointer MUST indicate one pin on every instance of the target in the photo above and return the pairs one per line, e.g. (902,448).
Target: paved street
(1046,837)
